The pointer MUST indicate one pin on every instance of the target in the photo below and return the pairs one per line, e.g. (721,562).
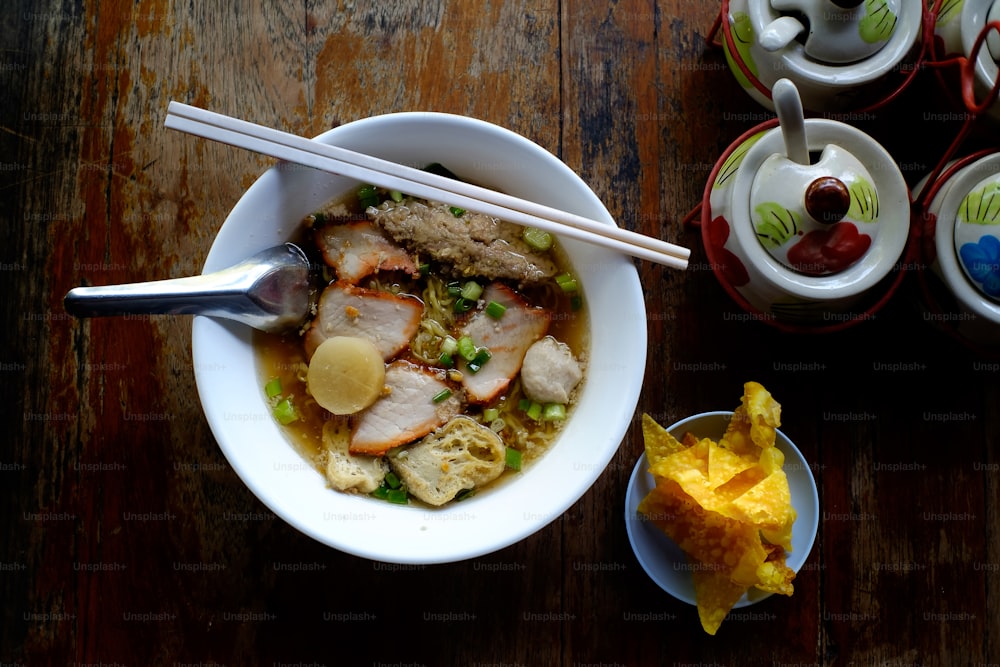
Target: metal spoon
(269,291)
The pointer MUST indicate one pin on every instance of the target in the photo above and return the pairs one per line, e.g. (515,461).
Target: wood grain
(126,538)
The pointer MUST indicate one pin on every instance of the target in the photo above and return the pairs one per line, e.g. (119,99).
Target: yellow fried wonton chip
(773,575)
(727,505)
(659,442)
(716,596)
(725,558)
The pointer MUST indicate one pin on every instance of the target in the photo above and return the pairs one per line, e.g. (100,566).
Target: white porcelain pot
(962,249)
(957,27)
(840,58)
(814,241)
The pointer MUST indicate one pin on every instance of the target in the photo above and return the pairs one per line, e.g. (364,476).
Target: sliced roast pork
(358,249)
(507,338)
(389,321)
(411,408)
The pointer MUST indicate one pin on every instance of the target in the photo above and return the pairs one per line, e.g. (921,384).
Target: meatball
(550,372)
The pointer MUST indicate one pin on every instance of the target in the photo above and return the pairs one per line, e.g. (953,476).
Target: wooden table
(125,538)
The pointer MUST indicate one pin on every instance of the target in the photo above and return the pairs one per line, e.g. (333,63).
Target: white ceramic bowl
(660,556)
(270,212)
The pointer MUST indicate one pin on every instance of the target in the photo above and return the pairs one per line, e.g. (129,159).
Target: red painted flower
(728,263)
(829,250)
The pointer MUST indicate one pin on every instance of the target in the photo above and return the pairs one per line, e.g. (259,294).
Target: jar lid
(818,218)
(835,31)
(977,236)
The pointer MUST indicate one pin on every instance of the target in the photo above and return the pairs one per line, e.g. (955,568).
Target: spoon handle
(780,32)
(211,294)
(269,291)
(791,119)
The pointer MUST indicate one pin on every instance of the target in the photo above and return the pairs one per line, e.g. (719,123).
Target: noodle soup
(485,300)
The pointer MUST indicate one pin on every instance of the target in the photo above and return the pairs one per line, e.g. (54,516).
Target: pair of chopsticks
(392,176)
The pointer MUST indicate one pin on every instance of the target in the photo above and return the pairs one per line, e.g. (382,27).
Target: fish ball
(346,374)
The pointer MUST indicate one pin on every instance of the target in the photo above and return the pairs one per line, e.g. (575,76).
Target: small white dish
(664,561)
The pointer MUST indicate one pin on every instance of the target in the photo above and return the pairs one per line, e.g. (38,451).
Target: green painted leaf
(982,206)
(864,201)
(775,224)
(742,31)
(878,22)
(732,163)
(949,10)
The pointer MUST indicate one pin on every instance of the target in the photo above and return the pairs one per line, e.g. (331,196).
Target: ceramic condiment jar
(961,249)
(958,26)
(804,221)
(841,54)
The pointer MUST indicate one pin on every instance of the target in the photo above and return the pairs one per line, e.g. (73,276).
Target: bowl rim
(643,536)
(455,532)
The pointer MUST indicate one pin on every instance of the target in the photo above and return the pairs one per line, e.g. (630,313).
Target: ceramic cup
(841,54)
(961,249)
(808,238)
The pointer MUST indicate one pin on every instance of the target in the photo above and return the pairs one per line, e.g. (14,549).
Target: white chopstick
(418,183)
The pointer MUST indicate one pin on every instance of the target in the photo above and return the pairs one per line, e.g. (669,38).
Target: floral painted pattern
(982,263)
(743,39)
(878,23)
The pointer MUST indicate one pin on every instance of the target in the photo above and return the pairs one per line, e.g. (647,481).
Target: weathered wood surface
(126,539)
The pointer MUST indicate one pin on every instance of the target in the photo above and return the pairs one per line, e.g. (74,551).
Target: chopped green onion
(576,303)
(567,282)
(454,288)
(513,458)
(490,414)
(463,305)
(534,410)
(471,290)
(553,412)
(442,395)
(538,239)
(464,494)
(424,269)
(456,211)
(495,309)
(273,388)
(392,489)
(446,360)
(368,195)
(477,362)
(396,196)
(398,496)
(284,411)
(449,345)
(524,404)
(466,348)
